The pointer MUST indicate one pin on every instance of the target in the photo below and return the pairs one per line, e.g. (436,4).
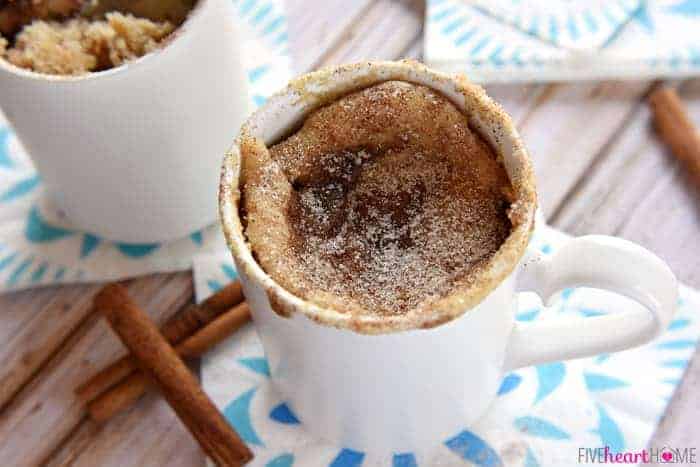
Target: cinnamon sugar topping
(383,202)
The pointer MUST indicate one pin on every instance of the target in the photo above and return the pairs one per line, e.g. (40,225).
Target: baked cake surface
(384,201)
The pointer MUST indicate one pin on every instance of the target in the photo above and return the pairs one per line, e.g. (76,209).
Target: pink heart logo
(667,456)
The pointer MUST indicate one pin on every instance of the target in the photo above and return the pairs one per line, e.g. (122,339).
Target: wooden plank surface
(314,31)
(600,170)
(45,411)
(639,192)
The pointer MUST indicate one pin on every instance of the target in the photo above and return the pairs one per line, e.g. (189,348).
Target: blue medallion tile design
(677,324)
(348,458)
(58,275)
(528,315)
(20,188)
(89,244)
(37,230)
(598,382)
(510,382)
(8,260)
(549,377)
(677,344)
(214,285)
(404,460)
(530,459)
(283,414)
(471,448)
(5,160)
(257,364)
(285,460)
(19,271)
(257,73)
(197,238)
(540,428)
(39,272)
(238,415)
(609,432)
(675,363)
(230,271)
(137,250)
(602,358)
(686,7)
(590,312)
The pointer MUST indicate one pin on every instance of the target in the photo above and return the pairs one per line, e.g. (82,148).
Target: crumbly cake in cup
(77,37)
(385,210)
(80,46)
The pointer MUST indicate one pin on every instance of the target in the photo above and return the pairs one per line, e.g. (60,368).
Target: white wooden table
(600,170)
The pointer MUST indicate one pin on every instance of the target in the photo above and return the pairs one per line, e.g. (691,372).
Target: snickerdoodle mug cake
(383,202)
(379,215)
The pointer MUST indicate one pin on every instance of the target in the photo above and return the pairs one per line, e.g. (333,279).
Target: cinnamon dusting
(383,202)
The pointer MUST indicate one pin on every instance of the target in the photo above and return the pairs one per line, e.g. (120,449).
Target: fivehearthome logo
(663,455)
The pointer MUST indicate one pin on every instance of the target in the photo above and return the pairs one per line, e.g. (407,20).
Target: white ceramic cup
(400,389)
(132,153)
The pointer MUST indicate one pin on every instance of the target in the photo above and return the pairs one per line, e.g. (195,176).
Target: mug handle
(601,262)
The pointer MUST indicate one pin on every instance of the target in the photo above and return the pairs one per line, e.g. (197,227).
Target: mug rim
(169,41)
(476,106)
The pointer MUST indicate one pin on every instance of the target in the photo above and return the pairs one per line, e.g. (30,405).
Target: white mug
(132,153)
(405,385)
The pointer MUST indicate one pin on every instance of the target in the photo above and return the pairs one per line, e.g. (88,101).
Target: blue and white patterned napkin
(37,247)
(543,415)
(541,40)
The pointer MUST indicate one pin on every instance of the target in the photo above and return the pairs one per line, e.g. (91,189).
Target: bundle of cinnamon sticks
(153,362)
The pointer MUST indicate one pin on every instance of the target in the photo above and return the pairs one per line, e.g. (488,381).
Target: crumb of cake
(383,202)
(3,46)
(79,46)
(134,38)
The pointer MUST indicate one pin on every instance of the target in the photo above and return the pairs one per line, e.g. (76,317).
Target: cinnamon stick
(178,328)
(676,129)
(159,361)
(131,388)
